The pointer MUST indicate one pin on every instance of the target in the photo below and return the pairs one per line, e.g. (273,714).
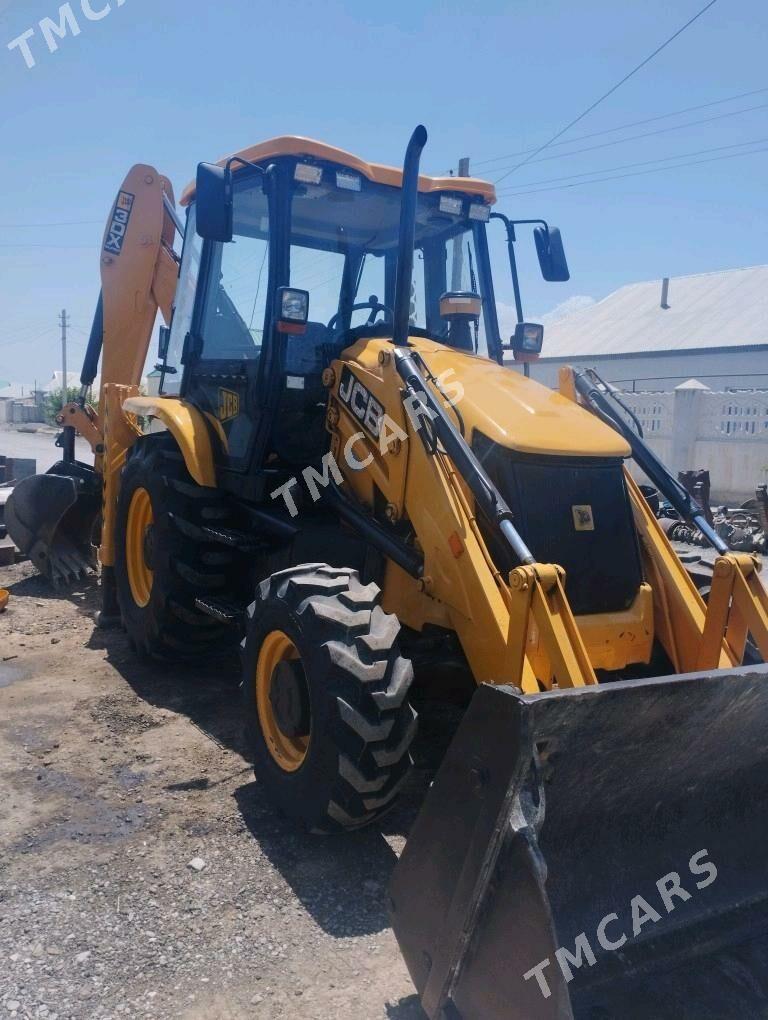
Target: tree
(52,403)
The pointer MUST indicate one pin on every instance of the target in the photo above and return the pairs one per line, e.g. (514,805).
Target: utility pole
(63,323)
(457,271)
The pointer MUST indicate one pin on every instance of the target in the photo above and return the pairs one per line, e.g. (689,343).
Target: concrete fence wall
(724,433)
(736,368)
(18,412)
(27,413)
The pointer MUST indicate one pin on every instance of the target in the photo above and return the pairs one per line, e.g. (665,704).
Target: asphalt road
(39,445)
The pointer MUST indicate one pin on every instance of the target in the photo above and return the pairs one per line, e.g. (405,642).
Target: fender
(188,427)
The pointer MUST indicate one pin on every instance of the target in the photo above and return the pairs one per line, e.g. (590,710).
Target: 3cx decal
(119,224)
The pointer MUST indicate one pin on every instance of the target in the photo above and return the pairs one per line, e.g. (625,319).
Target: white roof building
(73,382)
(657,334)
(15,391)
(54,385)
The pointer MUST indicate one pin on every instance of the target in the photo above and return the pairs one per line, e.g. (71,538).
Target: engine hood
(518,413)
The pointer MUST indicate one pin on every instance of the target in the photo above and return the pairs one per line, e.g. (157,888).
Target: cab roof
(294,145)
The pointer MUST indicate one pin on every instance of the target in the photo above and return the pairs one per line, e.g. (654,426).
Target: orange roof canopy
(293,145)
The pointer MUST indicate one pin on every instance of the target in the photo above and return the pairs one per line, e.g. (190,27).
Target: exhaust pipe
(408,199)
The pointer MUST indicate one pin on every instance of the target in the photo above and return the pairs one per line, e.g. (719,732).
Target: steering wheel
(375,306)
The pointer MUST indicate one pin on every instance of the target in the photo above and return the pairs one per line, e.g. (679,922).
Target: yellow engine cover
(386,467)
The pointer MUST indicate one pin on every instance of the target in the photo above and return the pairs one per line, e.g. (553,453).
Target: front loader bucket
(610,842)
(51,518)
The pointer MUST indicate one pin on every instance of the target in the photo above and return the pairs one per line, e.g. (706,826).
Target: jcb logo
(361,402)
(229,405)
(583,519)
(119,225)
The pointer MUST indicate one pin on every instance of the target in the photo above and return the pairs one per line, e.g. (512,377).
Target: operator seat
(306,355)
(299,431)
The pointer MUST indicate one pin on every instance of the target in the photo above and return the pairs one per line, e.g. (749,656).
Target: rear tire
(345,754)
(162,561)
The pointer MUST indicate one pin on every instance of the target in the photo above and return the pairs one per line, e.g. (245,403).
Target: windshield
(344,236)
(343,251)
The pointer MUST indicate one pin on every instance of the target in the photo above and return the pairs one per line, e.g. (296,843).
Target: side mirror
(549,248)
(163,339)
(214,202)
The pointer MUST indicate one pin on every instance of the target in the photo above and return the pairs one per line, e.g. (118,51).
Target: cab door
(224,354)
(171,366)
(224,348)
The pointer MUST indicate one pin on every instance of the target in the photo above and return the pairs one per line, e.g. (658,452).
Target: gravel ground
(115,776)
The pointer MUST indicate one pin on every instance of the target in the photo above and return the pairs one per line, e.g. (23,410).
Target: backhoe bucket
(596,853)
(51,518)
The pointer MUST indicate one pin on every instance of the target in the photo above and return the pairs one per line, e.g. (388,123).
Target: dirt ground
(114,776)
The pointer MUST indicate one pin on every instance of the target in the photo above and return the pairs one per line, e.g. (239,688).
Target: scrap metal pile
(744,528)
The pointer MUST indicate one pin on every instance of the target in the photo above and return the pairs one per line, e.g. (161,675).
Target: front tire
(162,561)
(325,698)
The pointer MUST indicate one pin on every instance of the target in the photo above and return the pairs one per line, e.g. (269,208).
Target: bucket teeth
(67,566)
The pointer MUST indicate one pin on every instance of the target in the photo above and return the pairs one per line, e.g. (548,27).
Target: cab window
(462,274)
(233,319)
(184,304)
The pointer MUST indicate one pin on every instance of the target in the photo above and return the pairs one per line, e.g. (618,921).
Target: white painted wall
(723,433)
(737,369)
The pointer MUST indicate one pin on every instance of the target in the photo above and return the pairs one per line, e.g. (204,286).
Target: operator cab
(293,216)
(297,216)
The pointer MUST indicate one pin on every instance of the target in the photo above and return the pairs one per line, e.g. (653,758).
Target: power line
(627,166)
(649,134)
(640,173)
(27,340)
(61,223)
(623,127)
(27,328)
(33,245)
(643,134)
(612,89)
(21,335)
(258,286)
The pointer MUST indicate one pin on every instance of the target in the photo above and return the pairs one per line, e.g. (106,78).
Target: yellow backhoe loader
(342,473)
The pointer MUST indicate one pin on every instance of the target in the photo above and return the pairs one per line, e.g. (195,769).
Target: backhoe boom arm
(139,269)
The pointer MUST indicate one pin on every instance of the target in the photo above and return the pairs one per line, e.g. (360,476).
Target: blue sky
(173,83)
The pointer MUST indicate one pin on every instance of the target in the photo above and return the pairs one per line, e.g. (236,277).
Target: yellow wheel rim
(140,519)
(288,752)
